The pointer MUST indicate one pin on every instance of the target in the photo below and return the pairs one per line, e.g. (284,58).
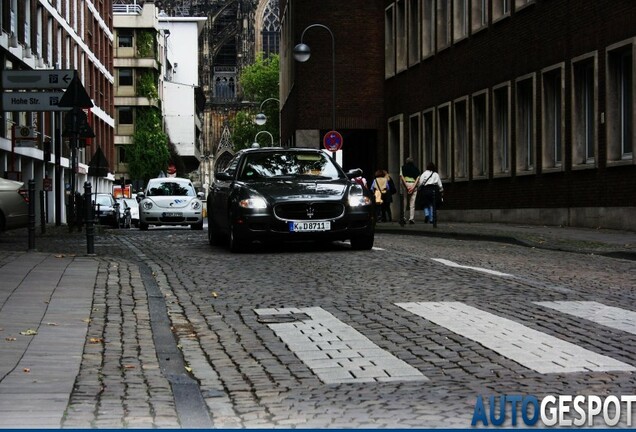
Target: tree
(259,82)
(149,154)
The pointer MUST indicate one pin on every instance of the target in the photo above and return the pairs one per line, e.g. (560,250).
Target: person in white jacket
(430,189)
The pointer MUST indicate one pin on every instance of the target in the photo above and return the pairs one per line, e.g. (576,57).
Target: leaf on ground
(129,366)
(51,324)
(10,339)
(29,332)
(188,368)
(96,340)
(59,256)
(214,294)
(26,370)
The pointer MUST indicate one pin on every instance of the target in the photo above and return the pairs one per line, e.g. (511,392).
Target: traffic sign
(32,101)
(332,141)
(36,79)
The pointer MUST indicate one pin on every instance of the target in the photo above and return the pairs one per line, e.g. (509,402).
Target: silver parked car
(133,206)
(170,201)
(14,205)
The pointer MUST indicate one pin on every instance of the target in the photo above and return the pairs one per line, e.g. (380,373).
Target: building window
(500,9)
(443,24)
(400,35)
(428,28)
(520,4)
(428,136)
(460,19)
(620,104)
(125,77)
(121,154)
(389,42)
(552,118)
(125,115)
(271,29)
(501,130)
(444,139)
(584,112)
(125,38)
(414,137)
(480,134)
(414,31)
(525,125)
(479,14)
(460,132)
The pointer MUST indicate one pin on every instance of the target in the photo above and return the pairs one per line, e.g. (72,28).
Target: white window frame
(480,132)
(429,132)
(415,136)
(429,29)
(461,23)
(389,42)
(443,24)
(500,10)
(444,140)
(414,31)
(401,48)
(553,118)
(620,105)
(501,131)
(525,124)
(461,139)
(479,15)
(582,142)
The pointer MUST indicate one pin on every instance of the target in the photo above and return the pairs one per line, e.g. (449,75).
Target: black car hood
(286,190)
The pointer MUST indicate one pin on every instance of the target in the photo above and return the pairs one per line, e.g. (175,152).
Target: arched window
(271,29)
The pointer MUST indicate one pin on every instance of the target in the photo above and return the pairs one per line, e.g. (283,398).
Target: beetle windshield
(309,165)
(170,188)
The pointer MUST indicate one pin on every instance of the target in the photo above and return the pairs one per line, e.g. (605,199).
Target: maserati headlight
(253,203)
(195,204)
(147,205)
(357,198)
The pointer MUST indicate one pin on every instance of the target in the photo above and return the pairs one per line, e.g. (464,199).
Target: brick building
(306,88)
(526,106)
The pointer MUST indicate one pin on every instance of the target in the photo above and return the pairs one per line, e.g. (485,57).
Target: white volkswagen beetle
(170,201)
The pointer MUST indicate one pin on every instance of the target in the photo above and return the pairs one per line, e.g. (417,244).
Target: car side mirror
(200,195)
(353,173)
(224,176)
(140,196)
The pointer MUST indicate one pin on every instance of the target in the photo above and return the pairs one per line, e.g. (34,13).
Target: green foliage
(145,43)
(149,152)
(147,85)
(259,82)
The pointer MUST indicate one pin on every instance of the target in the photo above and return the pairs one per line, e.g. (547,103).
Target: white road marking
(599,313)
(479,269)
(335,351)
(528,347)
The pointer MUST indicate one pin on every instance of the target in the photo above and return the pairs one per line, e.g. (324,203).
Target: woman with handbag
(383,191)
(429,192)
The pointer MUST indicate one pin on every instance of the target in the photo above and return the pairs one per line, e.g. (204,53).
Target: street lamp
(261,118)
(302,52)
(255,144)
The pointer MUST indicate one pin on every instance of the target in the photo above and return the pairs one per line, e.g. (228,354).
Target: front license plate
(173,214)
(309,226)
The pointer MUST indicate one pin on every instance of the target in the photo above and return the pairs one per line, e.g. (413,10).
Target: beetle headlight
(195,204)
(357,197)
(253,203)
(147,205)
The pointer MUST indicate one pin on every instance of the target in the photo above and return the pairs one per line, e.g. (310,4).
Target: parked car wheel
(143,226)
(197,226)
(237,245)
(362,242)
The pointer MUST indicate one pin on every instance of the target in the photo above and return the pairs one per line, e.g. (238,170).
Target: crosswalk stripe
(335,351)
(479,269)
(528,347)
(599,313)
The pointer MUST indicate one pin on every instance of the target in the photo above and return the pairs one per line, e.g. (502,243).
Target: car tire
(197,226)
(214,236)
(364,242)
(237,245)
(143,226)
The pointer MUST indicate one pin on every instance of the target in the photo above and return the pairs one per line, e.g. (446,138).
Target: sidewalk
(48,296)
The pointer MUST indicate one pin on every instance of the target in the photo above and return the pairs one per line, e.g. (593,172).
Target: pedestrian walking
(429,192)
(383,188)
(409,176)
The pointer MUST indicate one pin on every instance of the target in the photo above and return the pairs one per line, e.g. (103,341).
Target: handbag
(378,196)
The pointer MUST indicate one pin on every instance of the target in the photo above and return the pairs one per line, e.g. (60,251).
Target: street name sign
(32,101)
(36,79)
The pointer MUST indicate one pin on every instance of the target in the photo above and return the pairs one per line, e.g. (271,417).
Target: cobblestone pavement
(235,318)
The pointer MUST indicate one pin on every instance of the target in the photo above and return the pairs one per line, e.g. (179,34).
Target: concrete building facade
(525,106)
(74,35)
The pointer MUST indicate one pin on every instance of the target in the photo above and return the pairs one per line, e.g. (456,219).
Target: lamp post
(261,118)
(255,144)
(302,53)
